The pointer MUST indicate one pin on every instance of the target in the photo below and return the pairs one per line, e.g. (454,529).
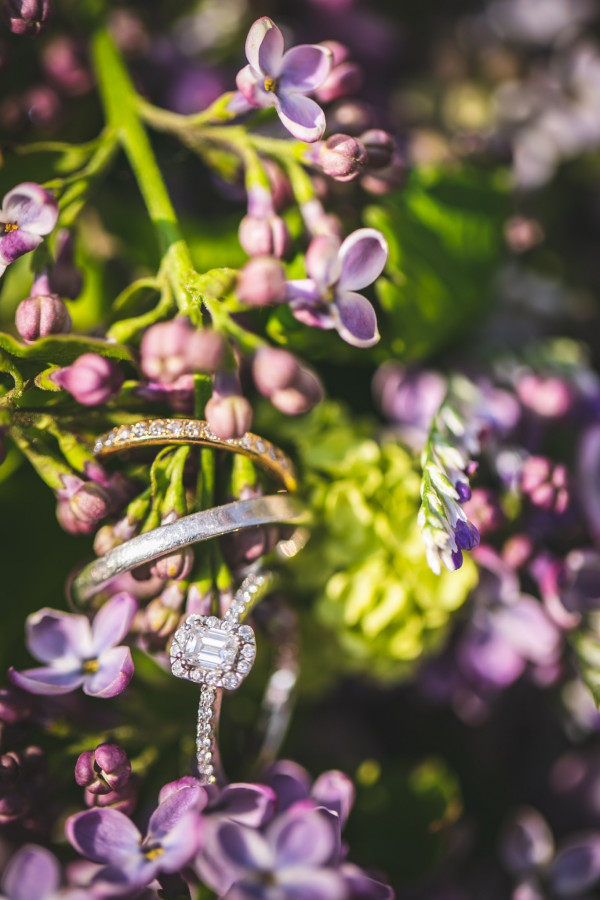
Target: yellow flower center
(270,84)
(90,666)
(9,226)
(153,852)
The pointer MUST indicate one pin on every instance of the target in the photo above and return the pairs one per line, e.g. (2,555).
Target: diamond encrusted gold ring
(157,432)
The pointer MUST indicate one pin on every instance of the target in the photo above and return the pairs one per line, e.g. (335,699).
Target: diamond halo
(212,651)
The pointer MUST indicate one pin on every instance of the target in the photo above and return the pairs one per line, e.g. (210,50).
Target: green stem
(121,106)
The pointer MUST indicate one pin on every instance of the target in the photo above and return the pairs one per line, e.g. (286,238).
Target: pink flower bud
(291,388)
(170,350)
(342,157)
(281,189)
(27,17)
(174,566)
(227,412)
(380,147)
(103,770)
(91,380)
(64,62)
(344,78)
(65,278)
(264,236)
(261,282)
(41,316)
(81,505)
(318,222)
(550,397)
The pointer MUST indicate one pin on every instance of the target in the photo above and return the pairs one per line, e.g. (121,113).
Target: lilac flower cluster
(278,838)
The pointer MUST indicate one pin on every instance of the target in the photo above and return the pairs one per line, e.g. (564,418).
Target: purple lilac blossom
(29,211)
(78,653)
(296,856)
(33,873)
(92,379)
(128,859)
(282,80)
(328,298)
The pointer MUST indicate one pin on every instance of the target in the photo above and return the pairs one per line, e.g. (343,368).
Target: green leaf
(444,232)
(63,350)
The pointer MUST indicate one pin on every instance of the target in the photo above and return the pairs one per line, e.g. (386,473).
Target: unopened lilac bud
(170,350)
(229,417)
(160,622)
(104,769)
(123,799)
(281,189)
(80,510)
(91,380)
(227,412)
(205,351)
(261,282)
(344,78)
(174,566)
(22,777)
(27,17)
(342,157)
(291,388)
(380,147)
(41,316)
(64,62)
(264,236)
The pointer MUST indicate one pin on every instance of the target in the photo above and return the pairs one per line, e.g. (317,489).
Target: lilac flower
(130,860)
(28,212)
(103,770)
(80,654)
(27,17)
(295,856)
(332,790)
(33,873)
(282,80)
(327,299)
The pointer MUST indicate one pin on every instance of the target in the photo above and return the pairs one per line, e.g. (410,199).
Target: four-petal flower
(328,298)
(79,653)
(28,212)
(282,80)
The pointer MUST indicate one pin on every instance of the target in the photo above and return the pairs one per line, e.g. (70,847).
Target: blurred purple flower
(333,789)
(282,80)
(28,212)
(410,398)
(295,856)
(27,17)
(130,860)
(33,873)
(327,299)
(77,653)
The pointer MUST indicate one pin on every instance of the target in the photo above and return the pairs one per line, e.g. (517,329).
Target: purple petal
(104,836)
(31,207)
(487,656)
(115,670)
(335,791)
(356,319)
(244,848)
(527,842)
(315,317)
(247,804)
(302,117)
(112,622)
(180,843)
(528,630)
(16,243)
(304,68)
(188,797)
(303,836)
(264,47)
(303,291)
(174,786)
(323,262)
(46,680)
(362,887)
(577,866)
(251,88)
(52,635)
(299,883)
(290,782)
(362,255)
(31,874)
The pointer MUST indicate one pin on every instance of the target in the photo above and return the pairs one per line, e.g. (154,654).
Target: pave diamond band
(156,432)
(201,526)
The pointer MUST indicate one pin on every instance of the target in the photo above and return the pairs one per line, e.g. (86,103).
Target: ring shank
(192,529)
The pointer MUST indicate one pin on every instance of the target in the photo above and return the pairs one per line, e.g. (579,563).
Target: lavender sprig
(447,463)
